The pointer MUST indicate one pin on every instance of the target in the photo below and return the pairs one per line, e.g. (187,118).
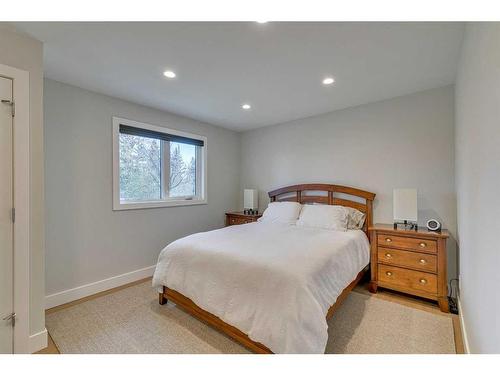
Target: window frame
(201,168)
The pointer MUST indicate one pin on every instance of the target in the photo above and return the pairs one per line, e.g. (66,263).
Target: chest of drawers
(409,261)
(236,218)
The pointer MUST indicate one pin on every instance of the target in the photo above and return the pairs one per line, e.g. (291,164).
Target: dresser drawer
(407,280)
(420,261)
(237,220)
(408,243)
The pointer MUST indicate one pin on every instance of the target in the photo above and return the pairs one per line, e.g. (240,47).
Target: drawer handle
(422,261)
(389,256)
(388,273)
(423,281)
(422,244)
(388,239)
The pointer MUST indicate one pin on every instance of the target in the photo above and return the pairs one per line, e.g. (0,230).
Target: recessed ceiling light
(262,21)
(328,81)
(169,74)
(246,107)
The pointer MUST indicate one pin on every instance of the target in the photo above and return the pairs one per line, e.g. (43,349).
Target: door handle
(12,104)
(11,317)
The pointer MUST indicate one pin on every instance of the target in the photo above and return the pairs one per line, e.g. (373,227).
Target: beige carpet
(131,321)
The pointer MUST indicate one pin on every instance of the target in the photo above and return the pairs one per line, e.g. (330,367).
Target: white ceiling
(276,67)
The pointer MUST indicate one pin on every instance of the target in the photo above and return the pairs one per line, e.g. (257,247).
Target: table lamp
(251,201)
(405,208)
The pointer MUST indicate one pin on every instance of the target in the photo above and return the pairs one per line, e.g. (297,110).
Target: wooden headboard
(299,193)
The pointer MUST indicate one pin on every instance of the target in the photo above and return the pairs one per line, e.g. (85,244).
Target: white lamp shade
(251,199)
(405,204)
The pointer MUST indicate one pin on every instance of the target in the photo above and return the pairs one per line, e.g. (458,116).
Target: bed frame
(305,194)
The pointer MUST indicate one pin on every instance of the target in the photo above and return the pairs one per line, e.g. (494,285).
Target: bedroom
(134,149)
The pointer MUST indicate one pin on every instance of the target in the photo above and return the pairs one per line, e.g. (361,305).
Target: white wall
(85,240)
(478,184)
(23,52)
(401,142)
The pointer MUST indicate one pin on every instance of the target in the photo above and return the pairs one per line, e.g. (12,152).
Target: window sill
(119,206)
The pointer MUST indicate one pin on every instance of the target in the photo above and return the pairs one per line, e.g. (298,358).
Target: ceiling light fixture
(169,74)
(262,21)
(246,107)
(328,81)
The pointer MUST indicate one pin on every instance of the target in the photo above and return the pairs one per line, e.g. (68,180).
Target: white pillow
(356,218)
(281,212)
(324,216)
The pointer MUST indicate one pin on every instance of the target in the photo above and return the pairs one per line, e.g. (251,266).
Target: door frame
(21,174)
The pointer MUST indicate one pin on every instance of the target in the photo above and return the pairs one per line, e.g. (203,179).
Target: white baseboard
(38,341)
(70,295)
(462,326)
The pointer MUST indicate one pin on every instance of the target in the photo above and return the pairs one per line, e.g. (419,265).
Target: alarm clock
(434,225)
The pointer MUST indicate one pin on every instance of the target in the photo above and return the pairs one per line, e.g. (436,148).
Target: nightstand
(236,218)
(409,261)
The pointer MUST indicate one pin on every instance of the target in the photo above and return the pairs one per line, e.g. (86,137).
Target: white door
(6,224)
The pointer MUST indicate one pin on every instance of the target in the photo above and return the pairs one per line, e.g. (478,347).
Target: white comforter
(274,282)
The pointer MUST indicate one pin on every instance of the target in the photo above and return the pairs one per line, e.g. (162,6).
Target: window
(156,167)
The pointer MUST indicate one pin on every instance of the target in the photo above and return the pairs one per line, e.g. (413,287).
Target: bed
(270,286)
